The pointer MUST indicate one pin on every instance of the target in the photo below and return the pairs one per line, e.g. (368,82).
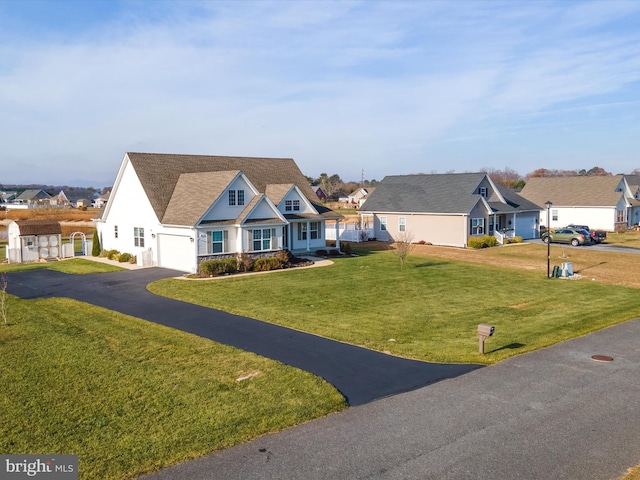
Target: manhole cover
(602,358)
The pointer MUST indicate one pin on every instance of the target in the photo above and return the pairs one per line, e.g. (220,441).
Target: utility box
(567,269)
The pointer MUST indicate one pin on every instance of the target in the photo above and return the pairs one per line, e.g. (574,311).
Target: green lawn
(129,396)
(429,310)
(72,265)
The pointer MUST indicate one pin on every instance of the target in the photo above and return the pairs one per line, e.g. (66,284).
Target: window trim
(402,224)
(263,242)
(383,223)
(314,232)
(232,198)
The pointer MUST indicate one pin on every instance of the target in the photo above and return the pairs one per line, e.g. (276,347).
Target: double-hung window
(217,241)
(483,192)
(261,239)
(236,197)
(402,224)
(383,224)
(314,229)
(138,236)
(620,216)
(302,231)
(292,205)
(115,231)
(477,226)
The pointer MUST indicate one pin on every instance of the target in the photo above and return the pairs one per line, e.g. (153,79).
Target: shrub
(284,256)
(124,257)
(95,248)
(133,259)
(322,253)
(516,239)
(266,264)
(334,253)
(347,249)
(482,242)
(245,262)
(219,267)
(113,254)
(104,253)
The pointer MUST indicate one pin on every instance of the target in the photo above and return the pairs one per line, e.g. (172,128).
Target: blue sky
(386,87)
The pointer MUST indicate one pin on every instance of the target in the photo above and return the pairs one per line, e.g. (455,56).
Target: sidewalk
(551,414)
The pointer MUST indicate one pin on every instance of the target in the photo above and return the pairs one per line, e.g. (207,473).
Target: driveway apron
(361,375)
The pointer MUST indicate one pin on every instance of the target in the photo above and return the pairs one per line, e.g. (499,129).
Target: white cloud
(339,86)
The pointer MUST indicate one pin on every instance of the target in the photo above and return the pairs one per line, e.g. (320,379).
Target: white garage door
(176,252)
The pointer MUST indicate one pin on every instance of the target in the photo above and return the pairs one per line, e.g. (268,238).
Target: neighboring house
(319,192)
(102,200)
(601,202)
(7,196)
(33,198)
(447,209)
(60,200)
(177,210)
(33,240)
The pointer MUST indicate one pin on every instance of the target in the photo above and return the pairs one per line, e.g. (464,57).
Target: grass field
(429,310)
(129,396)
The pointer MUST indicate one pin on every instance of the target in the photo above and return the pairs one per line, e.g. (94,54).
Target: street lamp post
(548,205)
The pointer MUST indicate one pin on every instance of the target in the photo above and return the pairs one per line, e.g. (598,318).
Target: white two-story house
(174,211)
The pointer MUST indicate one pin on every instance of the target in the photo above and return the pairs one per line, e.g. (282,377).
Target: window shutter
(225,241)
(204,240)
(273,238)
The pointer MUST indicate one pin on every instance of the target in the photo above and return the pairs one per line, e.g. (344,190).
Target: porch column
(337,234)
(308,236)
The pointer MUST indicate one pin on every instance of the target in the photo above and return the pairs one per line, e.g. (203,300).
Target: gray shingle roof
(160,174)
(586,191)
(448,193)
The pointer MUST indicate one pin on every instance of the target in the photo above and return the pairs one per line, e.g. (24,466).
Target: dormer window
(292,205)
(236,197)
(483,192)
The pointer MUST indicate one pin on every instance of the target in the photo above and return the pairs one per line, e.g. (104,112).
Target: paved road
(361,375)
(551,414)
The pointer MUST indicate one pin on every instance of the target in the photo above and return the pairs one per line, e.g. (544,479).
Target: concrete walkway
(551,414)
(361,375)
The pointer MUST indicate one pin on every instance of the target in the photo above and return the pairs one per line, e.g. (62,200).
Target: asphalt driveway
(551,414)
(361,375)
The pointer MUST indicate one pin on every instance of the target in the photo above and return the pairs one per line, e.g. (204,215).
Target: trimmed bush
(334,253)
(266,264)
(347,249)
(113,254)
(125,257)
(322,253)
(214,268)
(482,242)
(516,239)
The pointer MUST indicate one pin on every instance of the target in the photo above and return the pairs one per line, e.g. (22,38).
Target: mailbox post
(484,330)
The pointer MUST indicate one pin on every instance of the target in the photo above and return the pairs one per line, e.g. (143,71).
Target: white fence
(348,232)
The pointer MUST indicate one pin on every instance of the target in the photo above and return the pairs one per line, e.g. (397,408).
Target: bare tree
(3,298)
(403,246)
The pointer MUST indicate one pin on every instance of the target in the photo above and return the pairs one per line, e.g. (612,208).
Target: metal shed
(33,240)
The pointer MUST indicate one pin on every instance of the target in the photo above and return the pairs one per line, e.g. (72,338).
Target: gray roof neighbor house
(446,209)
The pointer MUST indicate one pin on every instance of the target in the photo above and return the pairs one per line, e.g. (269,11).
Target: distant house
(176,210)
(33,240)
(101,201)
(33,198)
(601,202)
(447,209)
(319,192)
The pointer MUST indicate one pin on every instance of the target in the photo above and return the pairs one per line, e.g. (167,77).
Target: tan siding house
(447,209)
